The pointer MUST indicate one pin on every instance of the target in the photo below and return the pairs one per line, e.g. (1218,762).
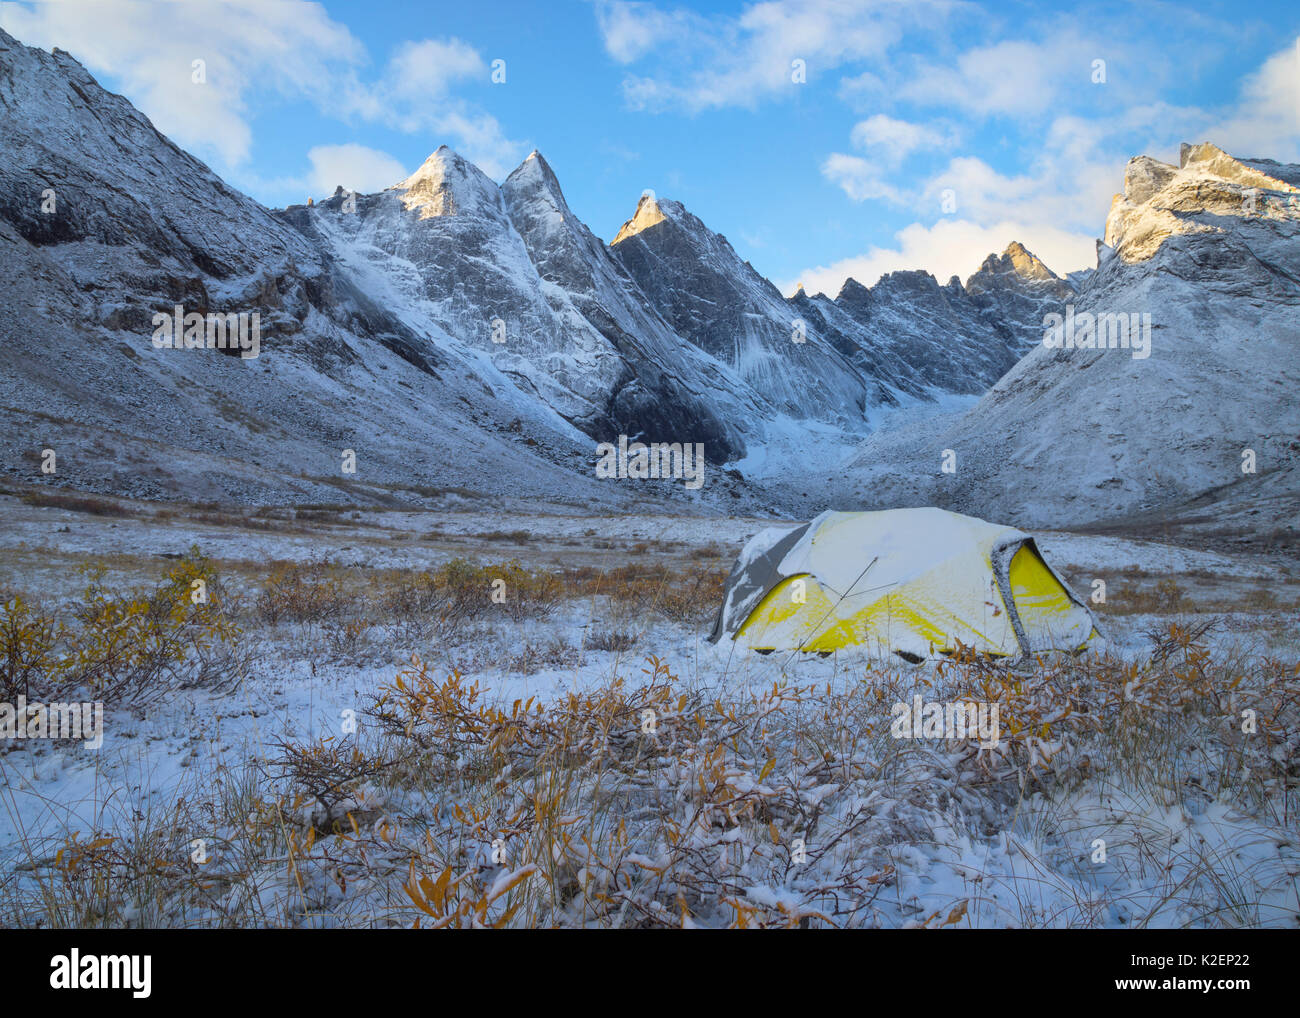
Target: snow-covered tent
(913,582)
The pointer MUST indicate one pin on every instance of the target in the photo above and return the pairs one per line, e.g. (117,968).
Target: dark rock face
(665,388)
(952,338)
(904,337)
(719,304)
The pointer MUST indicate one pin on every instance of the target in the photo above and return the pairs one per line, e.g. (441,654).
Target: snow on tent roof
(914,582)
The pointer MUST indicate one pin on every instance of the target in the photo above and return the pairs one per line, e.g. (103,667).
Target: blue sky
(923,135)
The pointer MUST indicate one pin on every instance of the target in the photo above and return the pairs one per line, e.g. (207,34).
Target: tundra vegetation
(567,755)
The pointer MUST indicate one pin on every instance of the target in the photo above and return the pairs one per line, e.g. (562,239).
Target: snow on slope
(571,333)
(717,302)
(1209,250)
(380,318)
(138,227)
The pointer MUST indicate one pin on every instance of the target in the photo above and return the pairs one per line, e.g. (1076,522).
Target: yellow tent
(912,582)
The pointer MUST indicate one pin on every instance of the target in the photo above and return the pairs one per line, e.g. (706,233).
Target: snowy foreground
(577,753)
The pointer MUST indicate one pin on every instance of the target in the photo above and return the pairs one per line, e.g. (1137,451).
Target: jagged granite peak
(1207,192)
(536,173)
(648,214)
(535,203)
(714,299)
(922,323)
(522,287)
(1206,158)
(667,387)
(447,184)
(1016,291)
(1016,265)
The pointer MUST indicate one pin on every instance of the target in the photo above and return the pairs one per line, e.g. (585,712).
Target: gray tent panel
(752,581)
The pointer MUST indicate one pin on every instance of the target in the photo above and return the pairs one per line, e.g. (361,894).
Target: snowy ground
(935,843)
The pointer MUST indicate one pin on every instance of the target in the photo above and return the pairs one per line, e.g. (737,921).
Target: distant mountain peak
(447,184)
(534,174)
(534,162)
(1016,267)
(648,213)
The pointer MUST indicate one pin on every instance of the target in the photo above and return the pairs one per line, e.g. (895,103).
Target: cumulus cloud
(1266,120)
(713,62)
(413,94)
(859,178)
(1013,77)
(427,69)
(289,49)
(354,167)
(888,142)
(631,30)
(894,140)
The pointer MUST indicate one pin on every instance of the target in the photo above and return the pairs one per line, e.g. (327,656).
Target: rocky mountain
(104,223)
(952,338)
(718,303)
(1016,290)
(451,332)
(905,338)
(524,289)
(1187,402)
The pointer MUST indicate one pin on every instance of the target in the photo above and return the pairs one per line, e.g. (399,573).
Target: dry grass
(651,801)
(78,503)
(648,803)
(123,647)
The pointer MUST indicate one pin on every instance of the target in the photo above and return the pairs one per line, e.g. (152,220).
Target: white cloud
(1056,188)
(888,142)
(894,140)
(1016,78)
(288,48)
(426,70)
(859,178)
(354,167)
(708,63)
(950,247)
(631,30)
(1266,121)
(413,94)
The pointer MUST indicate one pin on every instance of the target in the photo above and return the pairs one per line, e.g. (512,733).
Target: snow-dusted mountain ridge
(426,327)
(1203,422)
(463,338)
